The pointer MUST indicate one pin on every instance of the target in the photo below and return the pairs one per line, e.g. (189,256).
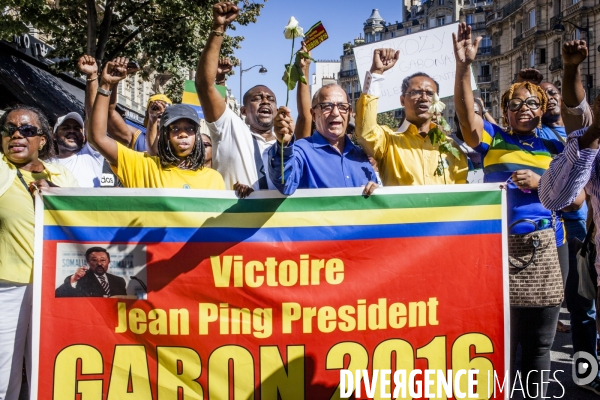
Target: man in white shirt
(240,149)
(76,154)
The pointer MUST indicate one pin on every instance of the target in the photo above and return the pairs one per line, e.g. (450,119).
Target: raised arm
(113,72)
(573,54)
(213,105)
(303,100)
(372,137)
(465,50)
(87,65)
(117,128)
(155,111)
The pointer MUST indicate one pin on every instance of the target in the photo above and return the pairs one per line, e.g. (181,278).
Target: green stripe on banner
(298,204)
(189,86)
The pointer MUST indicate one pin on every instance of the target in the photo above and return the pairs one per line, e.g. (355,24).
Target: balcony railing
(493,17)
(484,78)
(495,86)
(517,40)
(345,74)
(477,25)
(484,50)
(511,7)
(554,20)
(556,63)
(496,50)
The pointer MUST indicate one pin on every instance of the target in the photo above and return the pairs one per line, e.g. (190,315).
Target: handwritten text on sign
(430,51)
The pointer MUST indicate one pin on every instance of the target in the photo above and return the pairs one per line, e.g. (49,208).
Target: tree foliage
(161,35)
(387,118)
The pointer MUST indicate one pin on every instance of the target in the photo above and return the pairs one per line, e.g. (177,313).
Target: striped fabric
(505,153)
(135,216)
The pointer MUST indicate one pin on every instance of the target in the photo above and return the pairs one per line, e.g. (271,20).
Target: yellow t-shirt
(140,170)
(17,223)
(404,158)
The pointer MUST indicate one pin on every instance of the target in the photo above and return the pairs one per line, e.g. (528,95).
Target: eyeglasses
(343,108)
(415,94)
(190,130)
(24,130)
(533,103)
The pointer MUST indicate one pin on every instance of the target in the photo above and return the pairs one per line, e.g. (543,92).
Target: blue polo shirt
(313,163)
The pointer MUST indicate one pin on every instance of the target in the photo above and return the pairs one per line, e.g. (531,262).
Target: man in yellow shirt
(405,157)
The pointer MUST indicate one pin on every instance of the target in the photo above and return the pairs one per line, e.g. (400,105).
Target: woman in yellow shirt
(180,150)
(26,139)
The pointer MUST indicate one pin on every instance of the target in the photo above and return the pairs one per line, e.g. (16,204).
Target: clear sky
(265,44)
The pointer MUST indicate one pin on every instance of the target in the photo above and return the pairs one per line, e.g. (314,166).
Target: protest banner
(430,51)
(271,295)
(315,36)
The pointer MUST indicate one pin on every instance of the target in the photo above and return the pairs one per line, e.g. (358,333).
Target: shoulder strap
(558,136)
(20,175)
(550,146)
(136,135)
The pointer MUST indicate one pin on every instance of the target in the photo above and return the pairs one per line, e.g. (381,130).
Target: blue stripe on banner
(293,234)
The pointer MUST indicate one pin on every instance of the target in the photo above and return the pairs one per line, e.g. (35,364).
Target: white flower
(292,30)
(436,105)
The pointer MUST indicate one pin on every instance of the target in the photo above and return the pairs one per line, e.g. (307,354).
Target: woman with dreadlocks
(180,150)
(517,157)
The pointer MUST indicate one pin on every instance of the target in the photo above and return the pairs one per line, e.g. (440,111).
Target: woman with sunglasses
(26,140)
(517,156)
(180,151)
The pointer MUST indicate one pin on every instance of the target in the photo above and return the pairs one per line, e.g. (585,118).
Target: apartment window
(357,87)
(440,2)
(351,63)
(577,34)
(486,41)
(377,36)
(485,70)
(519,28)
(368,37)
(439,21)
(532,18)
(486,96)
(532,59)
(469,18)
(542,56)
(408,30)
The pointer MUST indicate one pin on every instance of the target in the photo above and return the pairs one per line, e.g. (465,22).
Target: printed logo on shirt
(107,180)
(186,186)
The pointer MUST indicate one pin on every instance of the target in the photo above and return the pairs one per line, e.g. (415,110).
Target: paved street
(561,360)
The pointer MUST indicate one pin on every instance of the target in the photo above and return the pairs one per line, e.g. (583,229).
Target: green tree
(387,118)
(161,35)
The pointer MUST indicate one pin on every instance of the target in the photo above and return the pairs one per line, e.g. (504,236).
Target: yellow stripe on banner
(190,98)
(517,157)
(273,220)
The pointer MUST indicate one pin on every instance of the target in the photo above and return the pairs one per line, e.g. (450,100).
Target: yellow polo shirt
(17,217)
(404,157)
(140,170)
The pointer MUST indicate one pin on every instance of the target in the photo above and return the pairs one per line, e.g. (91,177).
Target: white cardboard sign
(430,51)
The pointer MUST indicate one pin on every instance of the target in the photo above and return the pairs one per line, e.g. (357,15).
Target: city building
(526,33)
(326,72)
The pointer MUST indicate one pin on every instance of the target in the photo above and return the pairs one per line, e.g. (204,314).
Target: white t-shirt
(234,156)
(86,166)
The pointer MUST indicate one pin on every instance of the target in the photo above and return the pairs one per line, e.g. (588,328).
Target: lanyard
(20,175)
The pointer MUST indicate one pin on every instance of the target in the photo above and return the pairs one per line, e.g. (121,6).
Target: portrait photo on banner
(101,270)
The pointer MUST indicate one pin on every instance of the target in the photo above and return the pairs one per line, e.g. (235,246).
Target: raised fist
(87,65)
(114,71)
(283,125)
(384,59)
(225,66)
(224,13)
(574,52)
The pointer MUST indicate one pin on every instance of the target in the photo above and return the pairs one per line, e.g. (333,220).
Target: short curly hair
(47,151)
(532,88)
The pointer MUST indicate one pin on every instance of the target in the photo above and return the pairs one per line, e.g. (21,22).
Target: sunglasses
(533,103)
(24,130)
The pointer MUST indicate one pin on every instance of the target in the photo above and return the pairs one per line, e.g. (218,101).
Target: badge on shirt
(107,180)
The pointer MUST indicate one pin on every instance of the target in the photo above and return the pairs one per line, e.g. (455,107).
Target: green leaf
(436,135)
(447,148)
(305,55)
(290,76)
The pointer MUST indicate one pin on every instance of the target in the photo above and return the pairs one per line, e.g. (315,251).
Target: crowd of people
(544,154)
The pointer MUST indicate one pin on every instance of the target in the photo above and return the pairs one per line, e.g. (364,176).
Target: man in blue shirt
(328,158)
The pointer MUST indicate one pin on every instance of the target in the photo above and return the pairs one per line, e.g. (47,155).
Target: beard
(70,146)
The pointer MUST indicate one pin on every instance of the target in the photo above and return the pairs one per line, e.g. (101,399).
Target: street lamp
(559,28)
(262,70)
